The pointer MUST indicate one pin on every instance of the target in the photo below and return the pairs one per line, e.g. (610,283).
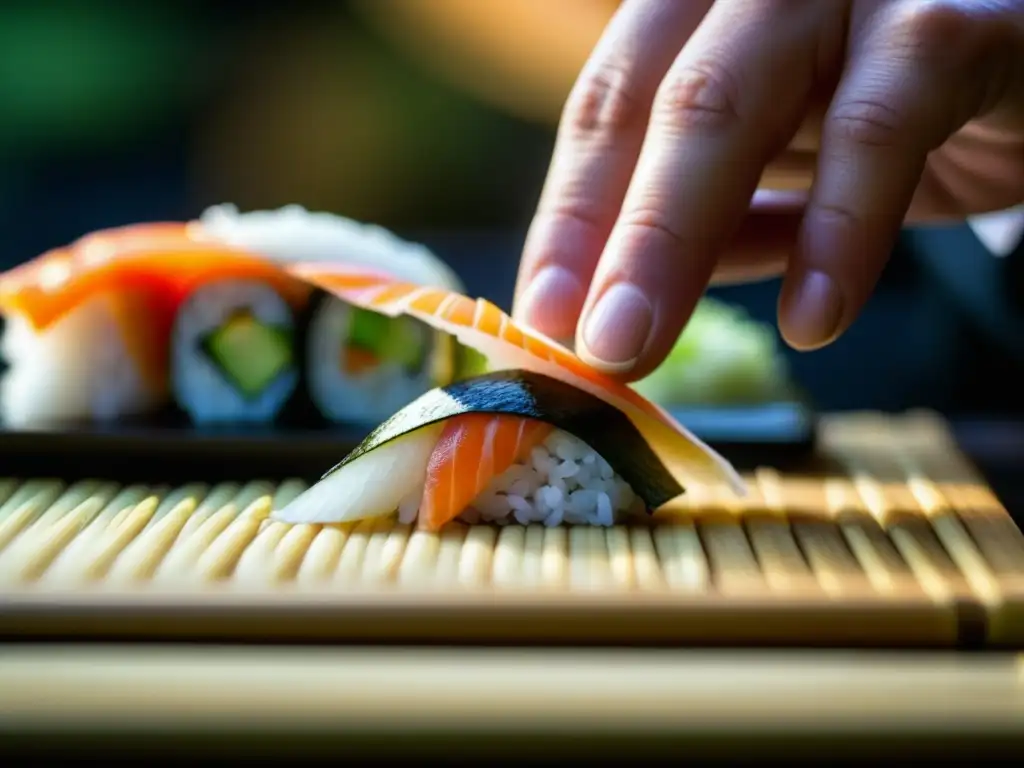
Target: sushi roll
(77,346)
(233,353)
(88,326)
(93,363)
(506,447)
(362,366)
(359,366)
(93,329)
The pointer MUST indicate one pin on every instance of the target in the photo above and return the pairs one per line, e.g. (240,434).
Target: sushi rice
(78,368)
(563,482)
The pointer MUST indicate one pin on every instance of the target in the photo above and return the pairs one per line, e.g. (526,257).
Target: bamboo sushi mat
(890,539)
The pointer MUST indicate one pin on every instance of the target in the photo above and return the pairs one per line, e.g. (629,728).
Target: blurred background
(434,118)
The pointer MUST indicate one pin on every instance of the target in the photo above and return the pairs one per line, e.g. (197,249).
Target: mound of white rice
(564,482)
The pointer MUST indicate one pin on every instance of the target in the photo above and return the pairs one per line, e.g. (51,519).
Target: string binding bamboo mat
(891,539)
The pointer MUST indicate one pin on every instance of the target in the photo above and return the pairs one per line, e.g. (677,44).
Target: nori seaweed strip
(532,395)
(4,362)
(301,409)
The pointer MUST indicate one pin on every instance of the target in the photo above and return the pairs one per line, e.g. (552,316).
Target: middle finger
(730,103)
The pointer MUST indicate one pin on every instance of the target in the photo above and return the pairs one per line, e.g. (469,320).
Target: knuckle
(839,217)
(651,222)
(702,96)
(865,122)
(576,211)
(604,102)
(931,25)
(945,33)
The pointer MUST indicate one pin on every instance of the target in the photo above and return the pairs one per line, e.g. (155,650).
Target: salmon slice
(148,270)
(480,325)
(473,450)
(166,260)
(161,261)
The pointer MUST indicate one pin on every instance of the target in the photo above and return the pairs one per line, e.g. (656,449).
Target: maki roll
(543,438)
(362,366)
(233,353)
(116,322)
(506,447)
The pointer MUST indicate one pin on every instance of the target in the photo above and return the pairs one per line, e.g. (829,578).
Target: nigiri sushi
(508,446)
(506,345)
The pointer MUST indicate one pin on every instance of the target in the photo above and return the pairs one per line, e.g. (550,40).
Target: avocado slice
(250,354)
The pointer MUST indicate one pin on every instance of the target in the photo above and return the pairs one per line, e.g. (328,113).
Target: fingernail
(551,302)
(616,329)
(810,312)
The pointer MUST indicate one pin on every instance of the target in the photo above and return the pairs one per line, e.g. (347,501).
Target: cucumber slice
(401,340)
(250,354)
(408,344)
(368,330)
(469,362)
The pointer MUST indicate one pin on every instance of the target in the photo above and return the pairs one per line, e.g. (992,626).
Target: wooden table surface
(528,703)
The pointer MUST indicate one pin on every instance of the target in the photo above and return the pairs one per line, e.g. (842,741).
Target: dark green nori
(535,396)
(303,408)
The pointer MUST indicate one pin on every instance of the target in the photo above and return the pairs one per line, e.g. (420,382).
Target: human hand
(868,113)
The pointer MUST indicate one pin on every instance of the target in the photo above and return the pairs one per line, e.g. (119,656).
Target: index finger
(598,141)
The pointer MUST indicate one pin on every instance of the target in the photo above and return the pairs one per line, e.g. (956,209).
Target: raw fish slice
(375,485)
(473,450)
(480,325)
(167,260)
(158,261)
(143,273)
